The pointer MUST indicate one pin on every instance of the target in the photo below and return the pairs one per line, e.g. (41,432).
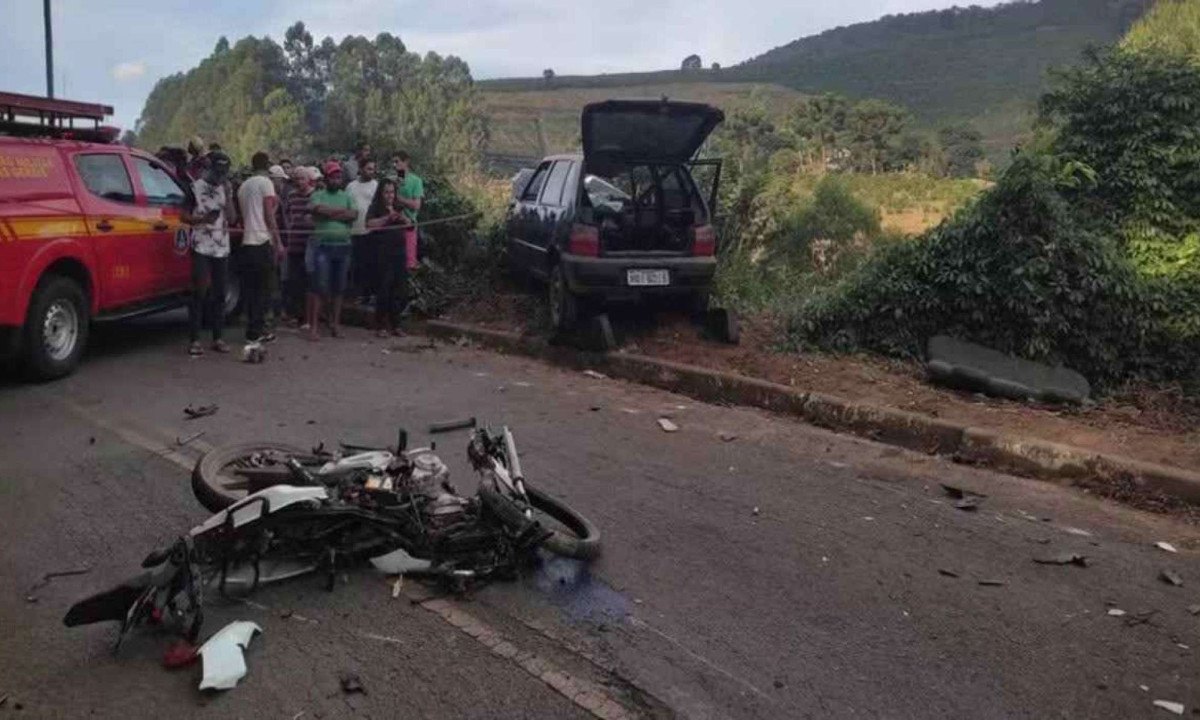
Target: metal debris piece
(1171,707)
(947,573)
(351,683)
(1166,546)
(727,436)
(1171,577)
(443,427)
(184,441)
(1116,612)
(1194,609)
(45,580)
(667,425)
(1063,559)
(992,583)
(202,411)
(595,375)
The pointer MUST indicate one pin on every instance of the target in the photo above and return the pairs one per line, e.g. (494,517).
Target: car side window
(160,187)
(534,188)
(105,176)
(552,194)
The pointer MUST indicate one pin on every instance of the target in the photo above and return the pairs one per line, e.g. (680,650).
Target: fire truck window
(160,188)
(105,176)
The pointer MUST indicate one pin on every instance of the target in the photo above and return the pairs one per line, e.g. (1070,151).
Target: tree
(222,46)
(820,124)
(874,127)
(1133,118)
(129,138)
(692,62)
(548,75)
(716,66)
(962,149)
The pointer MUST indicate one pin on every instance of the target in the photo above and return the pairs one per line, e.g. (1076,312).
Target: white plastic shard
(223,658)
(399,562)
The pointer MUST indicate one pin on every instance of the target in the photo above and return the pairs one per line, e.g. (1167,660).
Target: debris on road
(1116,612)
(1194,609)
(754,512)
(966,500)
(947,573)
(992,583)
(667,425)
(1171,707)
(1171,577)
(181,653)
(180,442)
(399,562)
(30,595)
(1166,546)
(202,411)
(1141,618)
(595,408)
(595,375)
(1063,559)
(254,353)
(224,662)
(352,684)
(727,436)
(449,426)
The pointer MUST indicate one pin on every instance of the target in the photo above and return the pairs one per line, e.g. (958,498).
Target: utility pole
(49,51)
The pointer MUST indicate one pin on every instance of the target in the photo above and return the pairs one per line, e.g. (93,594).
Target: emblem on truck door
(181,240)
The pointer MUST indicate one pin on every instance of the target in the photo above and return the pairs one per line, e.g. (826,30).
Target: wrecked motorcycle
(282,512)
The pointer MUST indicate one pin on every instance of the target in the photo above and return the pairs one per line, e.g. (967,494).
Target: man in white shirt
(210,251)
(261,245)
(363,265)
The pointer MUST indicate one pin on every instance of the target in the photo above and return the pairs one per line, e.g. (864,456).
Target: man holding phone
(210,251)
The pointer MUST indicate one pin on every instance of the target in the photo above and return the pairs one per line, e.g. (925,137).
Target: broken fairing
(224,655)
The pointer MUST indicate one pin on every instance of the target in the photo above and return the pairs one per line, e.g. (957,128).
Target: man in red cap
(333,212)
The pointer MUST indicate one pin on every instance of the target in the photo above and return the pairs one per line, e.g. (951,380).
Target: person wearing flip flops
(210,252)
(334,212)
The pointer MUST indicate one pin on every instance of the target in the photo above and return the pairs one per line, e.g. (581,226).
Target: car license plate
(647,278)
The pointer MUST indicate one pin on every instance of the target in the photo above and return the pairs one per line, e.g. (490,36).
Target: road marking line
(585,694)
(131,436)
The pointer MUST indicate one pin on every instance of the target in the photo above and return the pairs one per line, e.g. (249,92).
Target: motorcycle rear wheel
(214,482)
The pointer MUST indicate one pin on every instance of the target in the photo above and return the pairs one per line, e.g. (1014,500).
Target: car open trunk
(637,188)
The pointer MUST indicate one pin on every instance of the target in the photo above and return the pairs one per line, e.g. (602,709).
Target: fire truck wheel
(56,328)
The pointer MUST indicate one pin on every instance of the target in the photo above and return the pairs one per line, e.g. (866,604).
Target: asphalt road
(787,573)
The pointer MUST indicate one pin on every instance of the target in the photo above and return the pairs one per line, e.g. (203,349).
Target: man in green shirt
(411,192)
(333,212)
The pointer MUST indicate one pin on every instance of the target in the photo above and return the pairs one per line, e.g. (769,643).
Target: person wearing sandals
(387,222)
(333,212)
(210,252)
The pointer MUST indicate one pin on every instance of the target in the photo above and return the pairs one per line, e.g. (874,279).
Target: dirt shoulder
(1149,424)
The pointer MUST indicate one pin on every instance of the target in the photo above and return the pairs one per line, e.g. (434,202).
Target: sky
(114,52)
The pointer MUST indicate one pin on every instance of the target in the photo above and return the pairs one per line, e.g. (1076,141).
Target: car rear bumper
(606,276)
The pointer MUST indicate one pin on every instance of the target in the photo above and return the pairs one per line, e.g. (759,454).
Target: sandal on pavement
(195,350)
(220,346)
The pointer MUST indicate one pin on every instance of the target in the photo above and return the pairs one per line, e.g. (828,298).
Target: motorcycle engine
(430,479)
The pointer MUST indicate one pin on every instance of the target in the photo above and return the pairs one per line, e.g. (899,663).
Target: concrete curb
(1024,456)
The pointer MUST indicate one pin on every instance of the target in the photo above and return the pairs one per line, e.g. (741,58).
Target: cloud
(128,71)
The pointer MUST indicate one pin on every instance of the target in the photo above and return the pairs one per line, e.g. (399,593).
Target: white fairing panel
(251,508)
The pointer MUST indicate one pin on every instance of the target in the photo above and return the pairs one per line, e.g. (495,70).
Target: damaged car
(625,220)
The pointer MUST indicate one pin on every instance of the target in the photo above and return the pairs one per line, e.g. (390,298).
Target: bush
(834,216)
(1018,272)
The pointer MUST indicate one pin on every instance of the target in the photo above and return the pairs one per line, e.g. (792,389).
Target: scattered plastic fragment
(947,573)
(1171,577)
(1171,707)
(202,411)
(1166,546)
(1116,612)
(595,375)
(351,683)
(224,662)
(667,425)
(1063,559)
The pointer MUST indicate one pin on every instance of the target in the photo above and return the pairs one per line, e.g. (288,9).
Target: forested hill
(986,65)
(951,63)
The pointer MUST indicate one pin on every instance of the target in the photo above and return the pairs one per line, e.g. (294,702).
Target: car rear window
(105,176)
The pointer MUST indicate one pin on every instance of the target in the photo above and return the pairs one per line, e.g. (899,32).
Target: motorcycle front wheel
(571,534)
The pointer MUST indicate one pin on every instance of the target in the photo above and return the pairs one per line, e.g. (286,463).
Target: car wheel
(564,306)
(56,328)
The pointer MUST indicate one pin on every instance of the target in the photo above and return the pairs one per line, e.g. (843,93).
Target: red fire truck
(89,231)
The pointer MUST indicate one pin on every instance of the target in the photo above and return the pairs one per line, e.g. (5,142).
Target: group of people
(306,234)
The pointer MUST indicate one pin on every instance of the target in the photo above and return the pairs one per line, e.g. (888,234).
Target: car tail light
(585,240)
(704,240)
